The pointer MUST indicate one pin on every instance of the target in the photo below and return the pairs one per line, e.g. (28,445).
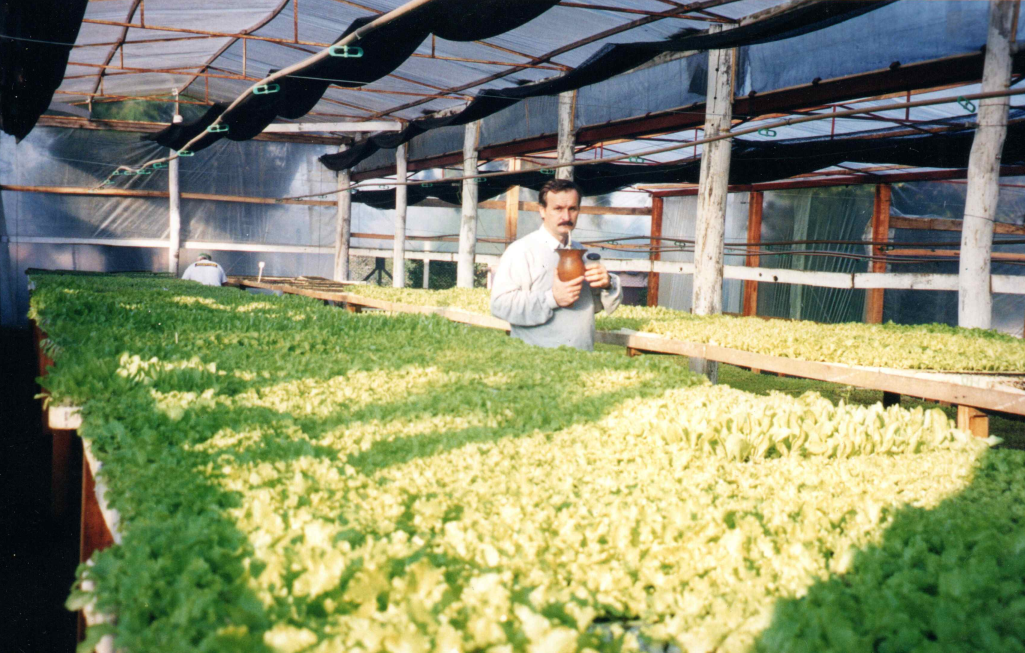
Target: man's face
(560,216)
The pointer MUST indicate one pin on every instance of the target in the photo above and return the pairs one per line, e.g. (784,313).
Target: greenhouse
(513,325)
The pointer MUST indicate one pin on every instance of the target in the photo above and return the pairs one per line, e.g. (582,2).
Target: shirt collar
(549,239)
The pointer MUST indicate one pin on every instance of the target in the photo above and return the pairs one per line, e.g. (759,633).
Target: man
(527,293)
(206,272)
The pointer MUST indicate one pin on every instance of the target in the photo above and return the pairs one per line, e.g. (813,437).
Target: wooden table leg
(353,308)
(630,351)
(973,420)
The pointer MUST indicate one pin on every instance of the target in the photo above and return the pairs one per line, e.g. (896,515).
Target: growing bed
(292,477)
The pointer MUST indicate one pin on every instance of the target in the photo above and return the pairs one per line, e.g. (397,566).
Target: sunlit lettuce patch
(402,483)
(925,347)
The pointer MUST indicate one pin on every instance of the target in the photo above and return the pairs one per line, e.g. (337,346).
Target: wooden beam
(880,234)
(954,253)
(713,187)
(343,228)
(398,275)
(974,296)
(567,134)
(904,382)
(973,421)
(468,214)
(756,201)
(156,194)
(656,243)
(74,122)
(512,204)
(939,224)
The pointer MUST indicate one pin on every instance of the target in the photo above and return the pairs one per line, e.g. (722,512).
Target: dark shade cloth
(751,162)
(35,41)
(612,60)
(385,47)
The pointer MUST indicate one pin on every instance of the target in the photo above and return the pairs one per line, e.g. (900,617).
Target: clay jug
(571,264)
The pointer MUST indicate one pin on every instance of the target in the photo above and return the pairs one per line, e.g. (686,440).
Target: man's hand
(566,292)
(597,276)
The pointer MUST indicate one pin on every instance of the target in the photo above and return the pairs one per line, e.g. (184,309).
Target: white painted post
(398,273)
(567,134)
(174,215)
(713,187)
(975,298)
(468,224)
(343,226)
(427,266)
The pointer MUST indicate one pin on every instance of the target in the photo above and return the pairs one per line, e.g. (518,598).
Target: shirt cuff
(550,300)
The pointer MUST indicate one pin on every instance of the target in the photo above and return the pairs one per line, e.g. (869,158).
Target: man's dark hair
(557,186)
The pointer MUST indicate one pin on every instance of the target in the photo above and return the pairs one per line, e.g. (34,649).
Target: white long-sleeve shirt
(522,295)
(205,272)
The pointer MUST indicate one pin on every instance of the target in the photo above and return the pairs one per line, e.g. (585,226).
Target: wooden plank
(880,234)
(656,243)
(993,399)
(996,256)
(533,207)
(938,224)
(95,534)
(973,420)
(756,201)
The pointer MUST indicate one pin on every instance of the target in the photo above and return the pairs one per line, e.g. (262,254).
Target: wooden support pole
(656,242)
(468,223)
(343,227)
(567,133)
(712,186)
(756,201)
(880,234)
(973,420)
(512,204)
(398,274)
(975,298)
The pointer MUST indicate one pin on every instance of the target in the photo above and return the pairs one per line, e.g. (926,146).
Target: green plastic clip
(144,171)
(478,180)
(160,165)
(966,104)
(186,153)
(107,182)
(547,171)
(345,51)
(266,89)
(771,133)
(635,159)
(217,129)
(426,185)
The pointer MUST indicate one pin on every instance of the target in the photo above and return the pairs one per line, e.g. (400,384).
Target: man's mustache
(565,222)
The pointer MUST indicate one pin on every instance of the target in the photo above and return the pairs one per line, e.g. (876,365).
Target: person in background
(542,309)
(206,272)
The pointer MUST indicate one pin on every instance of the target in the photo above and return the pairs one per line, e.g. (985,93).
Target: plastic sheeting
(375,51)
(903,33)
(679,219)
(946,201)
(614,59)
(751,162)
(72,158)
(838,213)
